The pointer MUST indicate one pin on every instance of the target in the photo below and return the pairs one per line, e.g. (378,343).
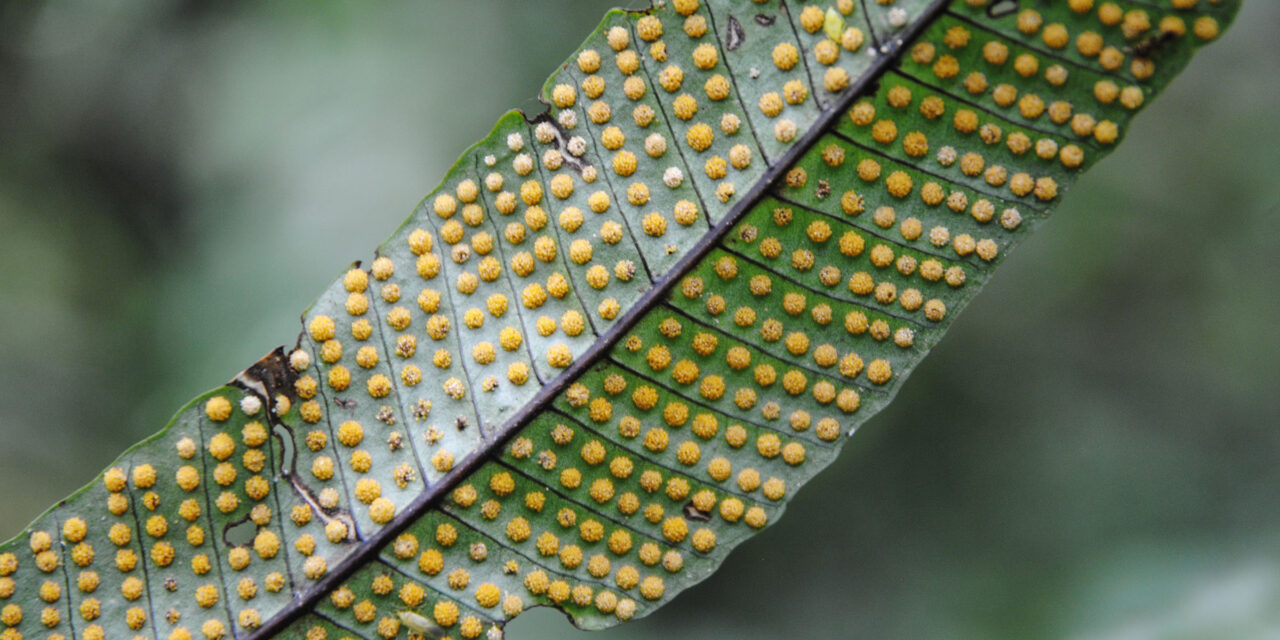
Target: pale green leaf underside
(617,337)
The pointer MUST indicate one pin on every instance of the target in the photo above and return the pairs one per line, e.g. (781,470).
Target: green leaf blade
(640,427)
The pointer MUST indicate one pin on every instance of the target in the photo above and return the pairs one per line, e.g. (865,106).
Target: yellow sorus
(628,62)
(684,107)
(654,224)
(899,184)
(1206,28)
(218,408)
(748,479)
(946,67)
(793,453)
(321,328)
(314,568)
(774,488)
(431,562)
(382,511)
(1026,65)
(1056,36)
(518,529)
(649,28)
(581,595)
(331,351)
(564,96)
(488,595)
(975,83)
(915,144)
(383,267)
(671,77)
(675,529)
(601,490)
(572,323)
(885,132)
(812,18)
(442,460)
(445,612)
(700,136)
(570,478)
(266,544)
(704,540)
(1135,22)
(717,87)
(652,588)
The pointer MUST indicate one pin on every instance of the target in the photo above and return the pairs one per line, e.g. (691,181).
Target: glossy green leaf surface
(619,334)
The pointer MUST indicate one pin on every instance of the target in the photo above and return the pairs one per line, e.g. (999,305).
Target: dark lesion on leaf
(765,20)
(734,34)
(1151,46)
(561,142)
(270,378)
(240,532)
(305,493)
(693,513)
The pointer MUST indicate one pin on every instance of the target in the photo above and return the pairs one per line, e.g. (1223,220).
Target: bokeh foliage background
(1091,453)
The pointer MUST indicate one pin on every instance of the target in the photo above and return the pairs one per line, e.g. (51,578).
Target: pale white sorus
(577,146)
(729,123)
(495,632)
(453,387)
(904,336)
(897,17)
(300,360)
(589,174)
(755,73)
(522,163)
(947,156)
(673,177)
(1010,218)
(784,130)
(490,160)
(655,145)
(568,119)
(552,159)
(460,253)
(328,498)
(515,141)
(250,404)
(545,132)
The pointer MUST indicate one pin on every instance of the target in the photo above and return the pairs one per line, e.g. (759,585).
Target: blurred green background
(1091,453)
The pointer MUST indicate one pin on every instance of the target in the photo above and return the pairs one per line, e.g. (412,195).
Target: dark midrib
(368,549)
